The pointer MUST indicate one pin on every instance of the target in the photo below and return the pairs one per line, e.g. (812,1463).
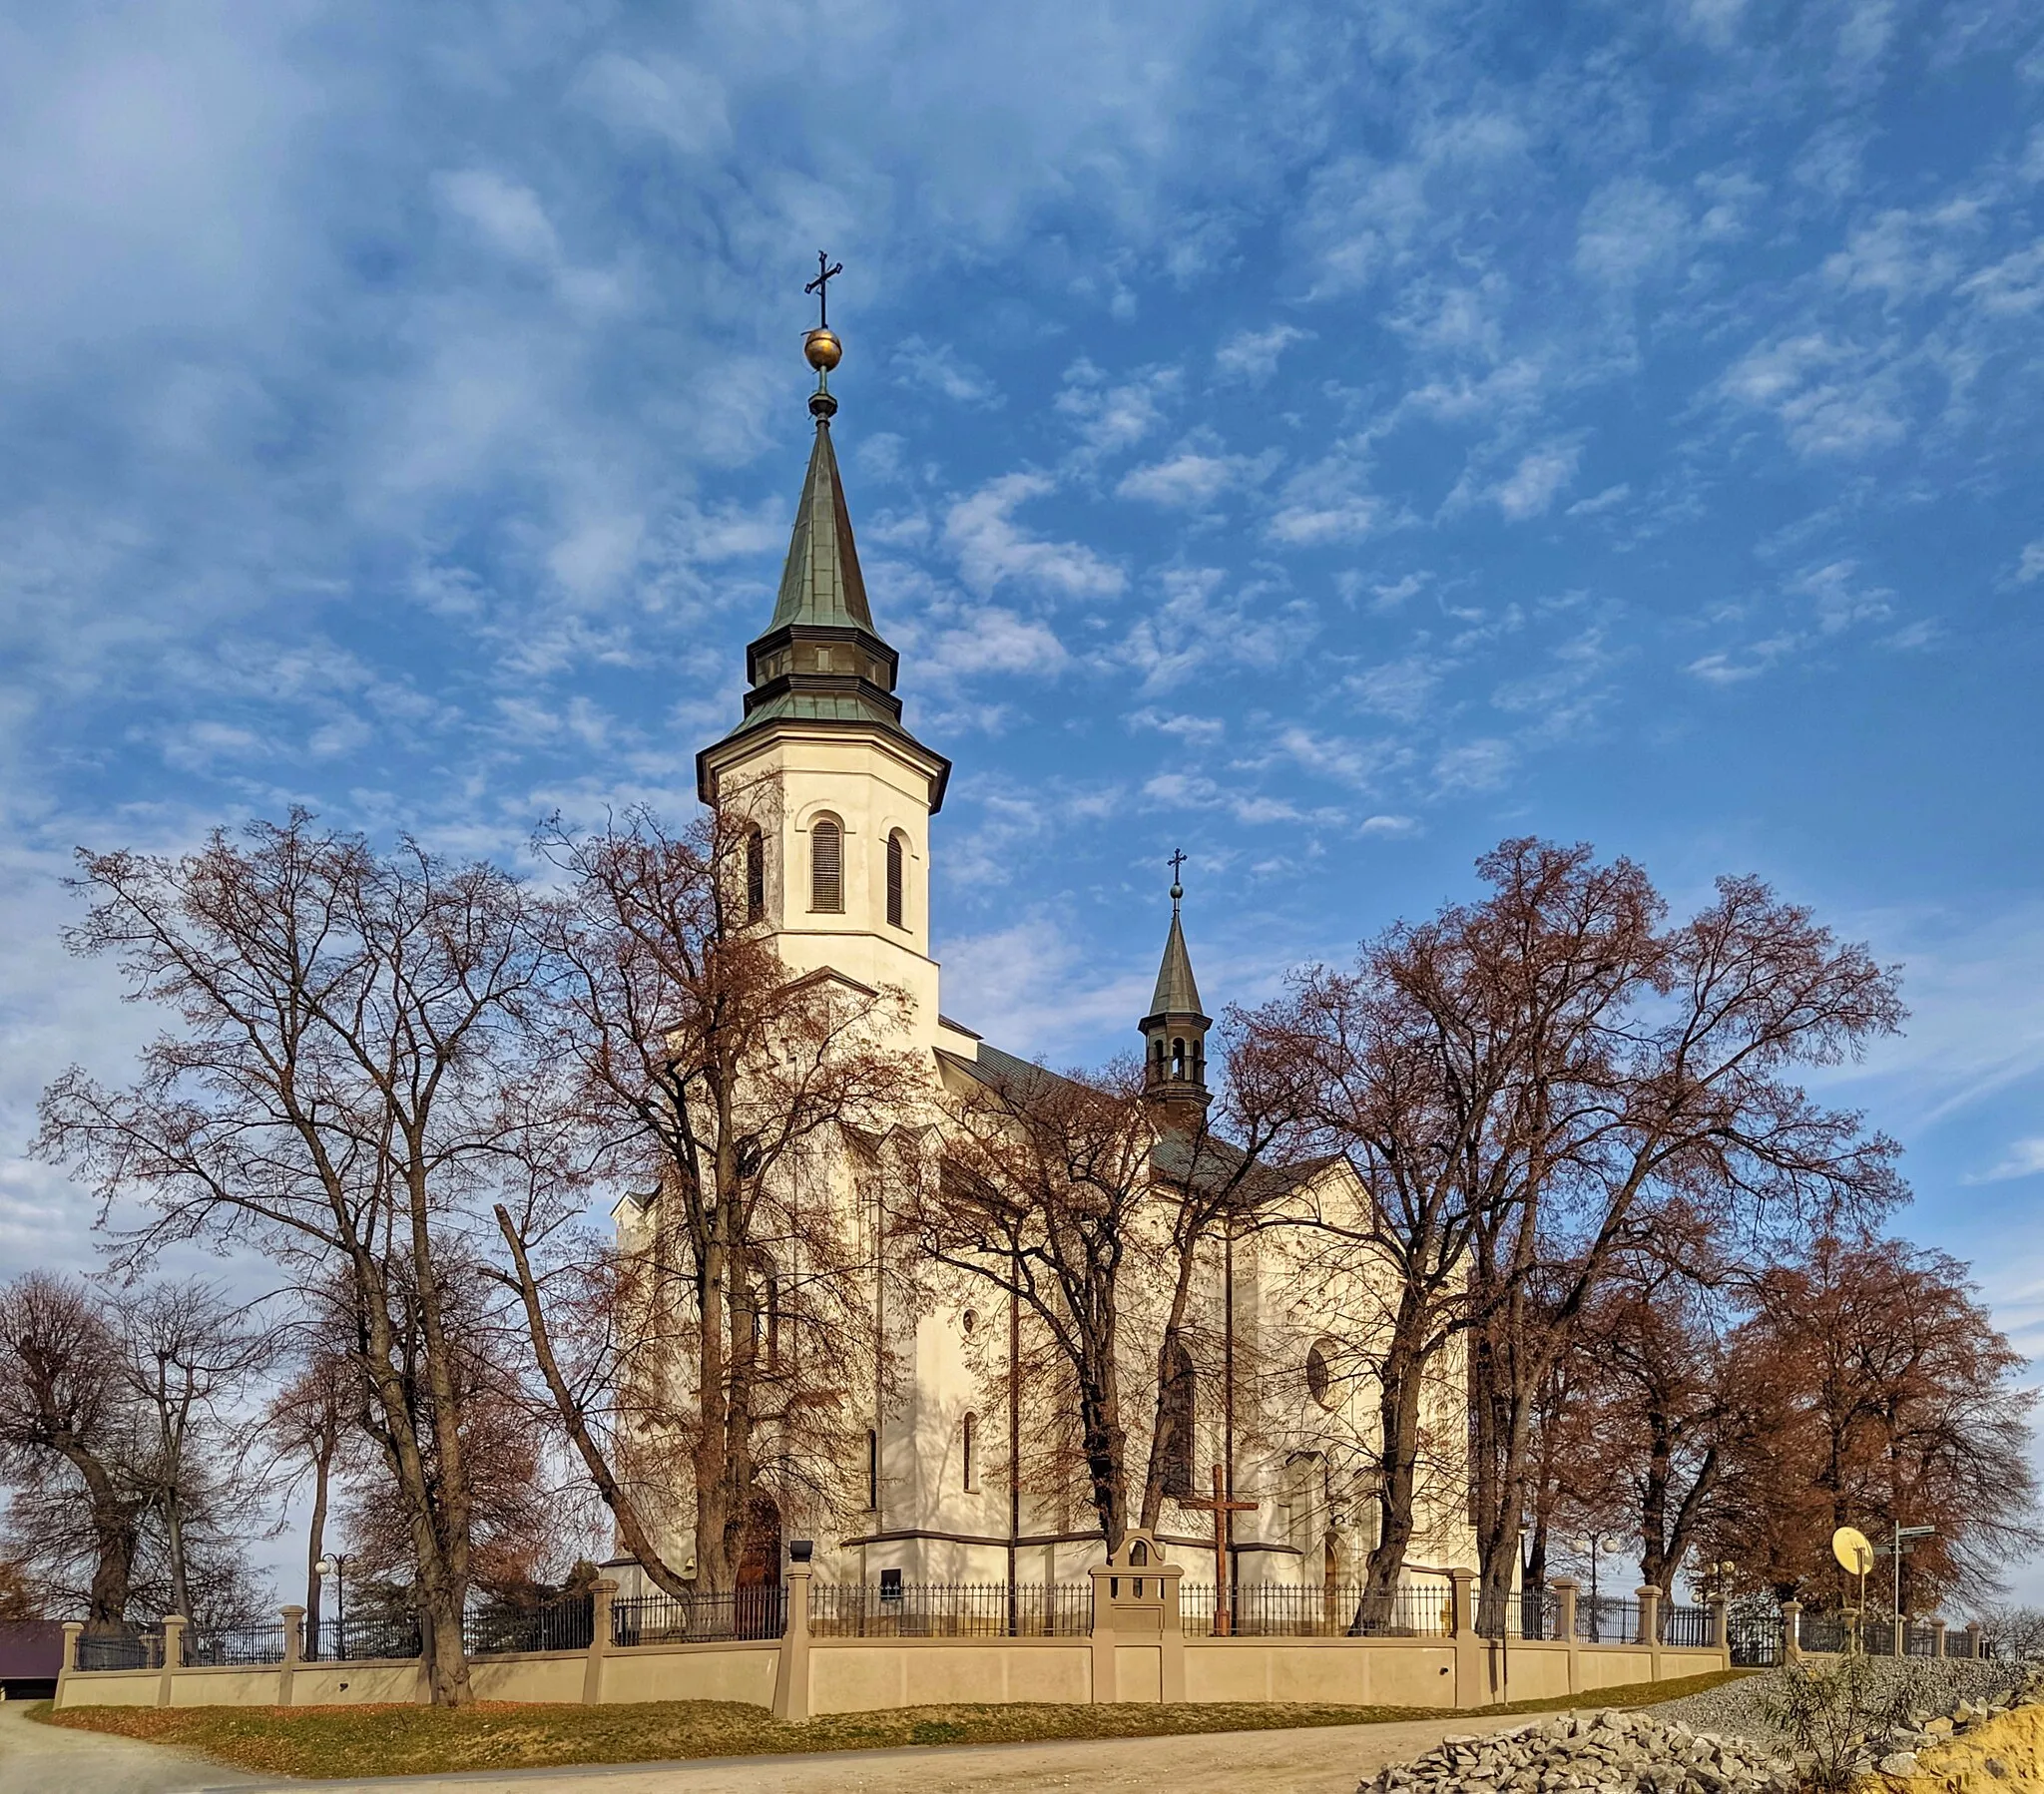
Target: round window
(1322,1381)
(968,1321)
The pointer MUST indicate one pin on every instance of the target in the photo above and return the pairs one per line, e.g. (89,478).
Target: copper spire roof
(820,581)
(1176,994)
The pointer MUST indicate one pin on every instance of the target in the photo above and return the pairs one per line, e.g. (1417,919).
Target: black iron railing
(755,1612)
(1821,1632)
(131,1647)
(366,1638)
(1533,1617)
(1756,1640)
(1344,1611)
(951,1609)
(218,1647)
(1607,1620)
(497,1629)
(1689,1627)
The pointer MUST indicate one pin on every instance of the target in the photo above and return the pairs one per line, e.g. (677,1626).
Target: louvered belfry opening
(826,866)
(896,858)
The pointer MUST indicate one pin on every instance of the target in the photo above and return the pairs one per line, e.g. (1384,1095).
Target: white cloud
(1604,501)
(657,95)
(1538,480)
(1832,400)
(1629,227)
(1475,766)
(1400,689)
(986,639)
(1330,500)
(1111,416)
(1195,732)
(935,367)
(1360,765)
(1202,622)
(1253,356)
(2031,565)
(1189,480)
(506,215)
(2024,1159)
(993,549)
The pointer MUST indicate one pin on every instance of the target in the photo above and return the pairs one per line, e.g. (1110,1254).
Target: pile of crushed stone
(1610,1752)
(1931,1687)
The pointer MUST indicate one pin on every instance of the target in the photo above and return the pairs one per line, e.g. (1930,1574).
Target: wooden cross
(1224,1511)
(827,271)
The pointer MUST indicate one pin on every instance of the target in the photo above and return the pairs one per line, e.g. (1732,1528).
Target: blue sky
(1327,438)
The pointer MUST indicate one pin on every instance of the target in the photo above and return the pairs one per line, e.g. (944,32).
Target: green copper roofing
(821,580)
(1176,994)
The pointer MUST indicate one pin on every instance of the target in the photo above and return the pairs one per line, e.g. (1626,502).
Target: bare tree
(313,1428)
(1519,1083)
(332,1094)
(71,1442)
(191,1356)
(726,1095)
(1888,1397)
(1040,1190)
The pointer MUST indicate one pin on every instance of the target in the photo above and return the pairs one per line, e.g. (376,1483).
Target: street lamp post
(337,1568)
(1591,1546)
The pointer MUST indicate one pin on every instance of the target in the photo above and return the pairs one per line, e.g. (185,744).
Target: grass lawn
(410,1740)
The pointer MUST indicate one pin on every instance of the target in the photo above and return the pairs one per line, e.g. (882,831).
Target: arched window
(1178,1059)
(827,865)
(897,854)
(971,1452)
(756,876)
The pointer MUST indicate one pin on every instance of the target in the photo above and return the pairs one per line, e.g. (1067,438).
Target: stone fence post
(1565,1587)
(293,1653)
(1721,1628)
(174,1657)
(792,1672)
(74,1630)
(1471,1669)
(1791,1631)
(1973,1638)
(1938,1636)
(1648,1594)
(1106,1663)
(600,1599)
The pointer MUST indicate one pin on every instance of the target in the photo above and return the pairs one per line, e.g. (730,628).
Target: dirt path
(48,1759)
(1325,1760)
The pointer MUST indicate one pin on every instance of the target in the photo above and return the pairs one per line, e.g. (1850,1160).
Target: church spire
(823,663)
(1174,1030)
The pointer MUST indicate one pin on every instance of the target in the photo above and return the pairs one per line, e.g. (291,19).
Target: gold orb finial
(822,349)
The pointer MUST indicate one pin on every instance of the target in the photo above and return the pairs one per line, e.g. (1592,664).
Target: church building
(1278,1415)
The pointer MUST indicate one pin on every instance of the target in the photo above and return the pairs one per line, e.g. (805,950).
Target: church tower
(840,793)
(1174,1030)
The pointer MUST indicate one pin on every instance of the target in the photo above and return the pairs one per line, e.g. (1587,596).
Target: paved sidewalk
(50,1759)
(1323,1760)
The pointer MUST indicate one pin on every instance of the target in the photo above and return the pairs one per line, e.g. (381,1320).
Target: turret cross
(827,271)
(1224,1511)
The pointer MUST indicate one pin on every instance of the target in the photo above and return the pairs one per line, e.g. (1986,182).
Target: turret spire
(1174,1030)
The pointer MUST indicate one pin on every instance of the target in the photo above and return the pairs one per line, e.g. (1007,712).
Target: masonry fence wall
(807,1650)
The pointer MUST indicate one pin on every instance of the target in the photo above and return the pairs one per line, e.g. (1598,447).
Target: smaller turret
(1174,1030)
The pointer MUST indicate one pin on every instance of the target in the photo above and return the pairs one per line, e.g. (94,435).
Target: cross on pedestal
(1224,1511)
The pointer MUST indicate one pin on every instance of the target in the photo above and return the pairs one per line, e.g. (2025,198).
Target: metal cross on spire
(1177,862)
(827,271)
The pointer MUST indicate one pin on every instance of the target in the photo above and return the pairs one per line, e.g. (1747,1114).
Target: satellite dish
(1854,1553)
